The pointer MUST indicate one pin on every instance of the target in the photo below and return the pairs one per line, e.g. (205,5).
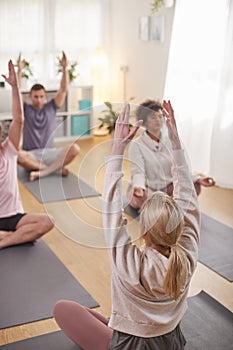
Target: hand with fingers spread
(15,129)
(171,125)
(63,60)
(123,134)
(11,79)
(20,63)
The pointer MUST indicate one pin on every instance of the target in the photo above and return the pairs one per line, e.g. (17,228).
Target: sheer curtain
(199,83)
(221,160)
(41,29)
(21,30)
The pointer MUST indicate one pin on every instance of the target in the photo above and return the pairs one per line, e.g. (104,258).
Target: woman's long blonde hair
(161,225)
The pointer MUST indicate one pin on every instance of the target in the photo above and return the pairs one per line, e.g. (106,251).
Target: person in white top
(150,158)
(16,227)
(150,283)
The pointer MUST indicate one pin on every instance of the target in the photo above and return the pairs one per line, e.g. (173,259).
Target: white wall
(147,60)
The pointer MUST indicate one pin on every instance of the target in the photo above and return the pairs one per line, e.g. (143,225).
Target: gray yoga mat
(207,324)
(55,187)
(216,244)
(216,247)
(33,279)
(132,212)
(50,341)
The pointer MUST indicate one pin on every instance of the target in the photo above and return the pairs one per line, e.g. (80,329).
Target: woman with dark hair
(150,158)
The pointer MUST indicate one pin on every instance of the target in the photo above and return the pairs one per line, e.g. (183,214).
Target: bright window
(41,29)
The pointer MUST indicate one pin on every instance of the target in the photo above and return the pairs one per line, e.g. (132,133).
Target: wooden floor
(88,262)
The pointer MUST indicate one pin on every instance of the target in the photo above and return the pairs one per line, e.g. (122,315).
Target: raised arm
(20,65)
(61,93)
(184,192)
(137,169)
(112,196)
(171,125)
(16,125)
(123,134)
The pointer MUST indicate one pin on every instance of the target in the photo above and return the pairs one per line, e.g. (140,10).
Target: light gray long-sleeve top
(139,304)
(151,162)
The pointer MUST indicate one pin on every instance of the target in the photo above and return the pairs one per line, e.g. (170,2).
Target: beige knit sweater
(139,303)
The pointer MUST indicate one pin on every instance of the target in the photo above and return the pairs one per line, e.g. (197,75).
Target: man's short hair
(37,87)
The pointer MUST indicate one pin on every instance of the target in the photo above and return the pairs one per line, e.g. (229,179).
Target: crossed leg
(29,228)
(40,169)
(28,162)
(84,326)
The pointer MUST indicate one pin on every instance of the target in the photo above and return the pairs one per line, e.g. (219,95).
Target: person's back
(149,285)
(142,304)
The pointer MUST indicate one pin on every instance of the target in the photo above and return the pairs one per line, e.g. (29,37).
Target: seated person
(150,158)
(39,154)
(150,284)
(15,226)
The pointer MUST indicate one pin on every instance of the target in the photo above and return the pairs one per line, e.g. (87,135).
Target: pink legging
(84,326)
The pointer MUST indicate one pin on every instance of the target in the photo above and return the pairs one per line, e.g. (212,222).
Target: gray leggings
(90,330)
(173,340)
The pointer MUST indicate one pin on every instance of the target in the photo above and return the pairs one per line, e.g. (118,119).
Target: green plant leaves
(71,68)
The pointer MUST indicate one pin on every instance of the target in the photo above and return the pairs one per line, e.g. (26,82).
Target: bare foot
(2,235)
(34,175)
(3,238)
(63,172)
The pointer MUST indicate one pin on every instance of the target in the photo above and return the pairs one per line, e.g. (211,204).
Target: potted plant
(109,117)
(71,68)
(157,4)
(26,71)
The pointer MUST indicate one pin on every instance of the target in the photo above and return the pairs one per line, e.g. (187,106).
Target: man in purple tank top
(39,154)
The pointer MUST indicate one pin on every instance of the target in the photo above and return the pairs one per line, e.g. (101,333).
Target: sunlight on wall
(196,55)
(99,75)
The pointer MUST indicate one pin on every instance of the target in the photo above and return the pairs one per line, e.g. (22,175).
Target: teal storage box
(84,105)
(80,125)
